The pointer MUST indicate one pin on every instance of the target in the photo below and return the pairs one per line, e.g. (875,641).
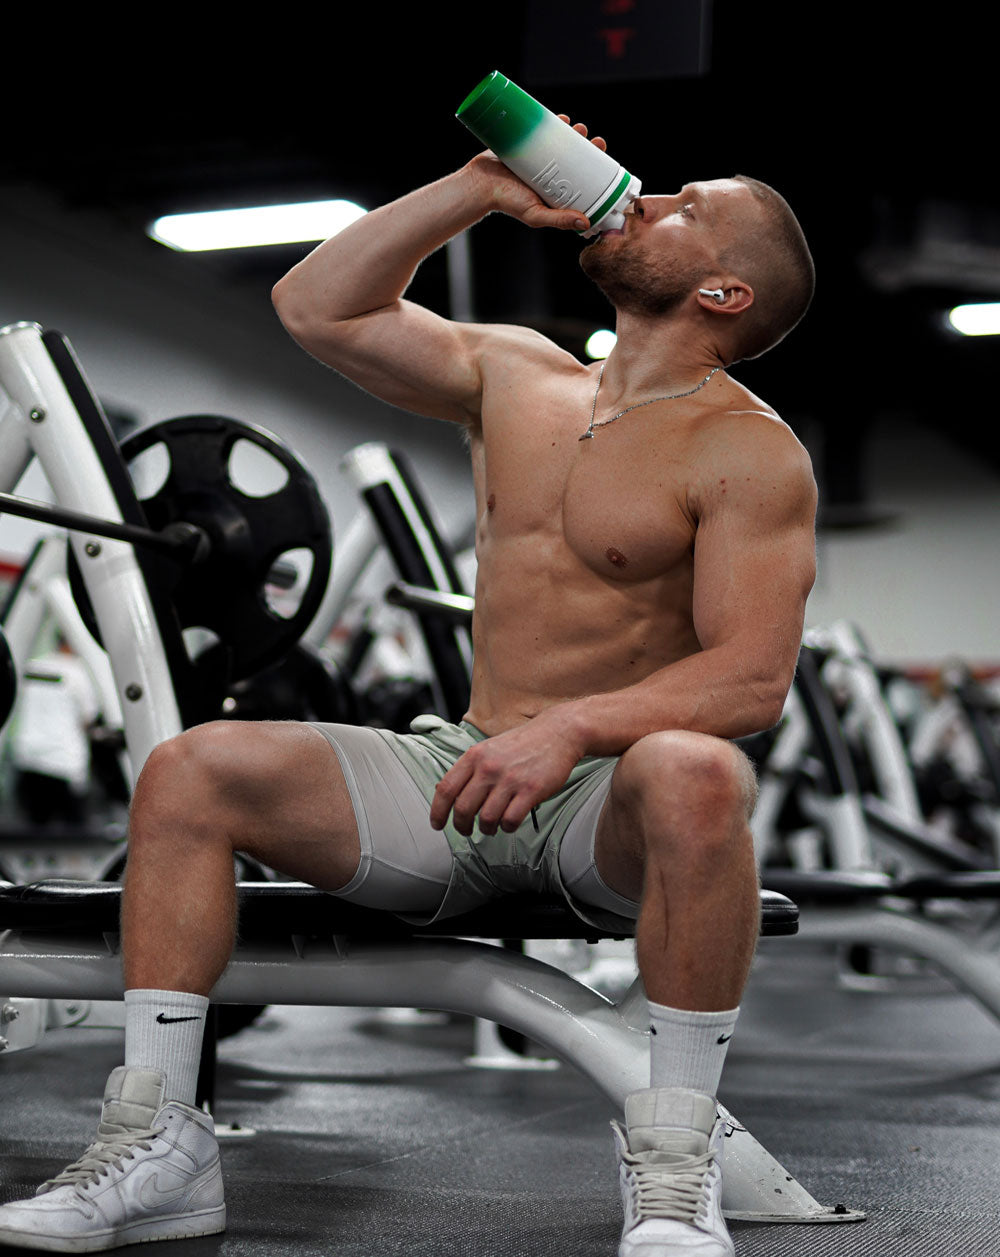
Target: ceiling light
(303,222)
(600,343)
(980,319)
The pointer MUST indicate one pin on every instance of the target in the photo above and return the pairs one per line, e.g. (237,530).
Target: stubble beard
(631,284)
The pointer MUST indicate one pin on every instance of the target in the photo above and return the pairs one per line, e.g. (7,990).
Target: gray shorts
(426,874)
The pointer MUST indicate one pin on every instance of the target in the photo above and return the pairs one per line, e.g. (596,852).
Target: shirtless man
(639,602)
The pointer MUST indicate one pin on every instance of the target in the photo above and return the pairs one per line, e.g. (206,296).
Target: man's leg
(274,791)
(675,836)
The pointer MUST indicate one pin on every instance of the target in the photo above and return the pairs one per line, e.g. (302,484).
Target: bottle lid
(482,97)
(499,113)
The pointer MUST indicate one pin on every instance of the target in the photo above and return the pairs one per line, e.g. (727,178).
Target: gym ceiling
(872,119)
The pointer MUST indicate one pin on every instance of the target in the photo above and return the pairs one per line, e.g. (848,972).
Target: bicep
(407,356)
(755,563)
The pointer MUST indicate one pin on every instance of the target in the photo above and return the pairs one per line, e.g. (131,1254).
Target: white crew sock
(164,1030)
(688,1049)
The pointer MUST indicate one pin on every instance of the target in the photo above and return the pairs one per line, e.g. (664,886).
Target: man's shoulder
(748,427)
(747,452)
(503,342)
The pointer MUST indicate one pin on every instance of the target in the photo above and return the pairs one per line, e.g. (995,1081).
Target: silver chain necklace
(671,397)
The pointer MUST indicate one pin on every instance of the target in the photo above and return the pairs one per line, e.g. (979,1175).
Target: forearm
(371,263)
(504,776)
(723,691)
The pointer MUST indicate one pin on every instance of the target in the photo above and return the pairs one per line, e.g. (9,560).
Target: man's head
(775,258)
(737,235)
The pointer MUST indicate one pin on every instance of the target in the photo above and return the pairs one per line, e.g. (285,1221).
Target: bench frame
(60,947)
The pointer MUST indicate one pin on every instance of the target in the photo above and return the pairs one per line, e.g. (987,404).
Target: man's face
(668,246)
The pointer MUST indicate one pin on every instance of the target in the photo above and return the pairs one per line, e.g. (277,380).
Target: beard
(631,284)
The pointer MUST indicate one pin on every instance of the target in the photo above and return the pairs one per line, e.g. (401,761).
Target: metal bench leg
(972,967)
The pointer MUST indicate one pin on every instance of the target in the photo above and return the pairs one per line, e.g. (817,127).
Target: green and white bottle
(564,168)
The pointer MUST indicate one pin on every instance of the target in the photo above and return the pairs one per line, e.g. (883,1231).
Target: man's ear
(731,296)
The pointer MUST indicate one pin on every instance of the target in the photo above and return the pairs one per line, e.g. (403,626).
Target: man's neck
(657,355)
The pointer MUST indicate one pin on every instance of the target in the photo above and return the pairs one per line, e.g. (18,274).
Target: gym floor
(374,1136)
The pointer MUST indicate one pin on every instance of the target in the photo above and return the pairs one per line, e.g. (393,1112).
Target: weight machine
(838,774)
(874,874)
(953,740)
(142,570)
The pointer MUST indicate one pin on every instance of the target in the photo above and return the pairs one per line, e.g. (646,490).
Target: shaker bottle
(563,167)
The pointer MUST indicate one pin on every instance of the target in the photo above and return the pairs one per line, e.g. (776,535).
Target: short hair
(774,259)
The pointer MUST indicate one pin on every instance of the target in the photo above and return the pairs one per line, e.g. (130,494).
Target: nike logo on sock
(164,1020)
(724,1038)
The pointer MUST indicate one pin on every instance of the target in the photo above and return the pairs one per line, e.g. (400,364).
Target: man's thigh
(590,890)
(404,865)
(274,789)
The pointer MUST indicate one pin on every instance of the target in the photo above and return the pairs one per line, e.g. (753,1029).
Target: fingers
(598,140)
(495,807)
(448,789)
(511,195)
(492,813)
(565,220)
(463,793)
(469,790)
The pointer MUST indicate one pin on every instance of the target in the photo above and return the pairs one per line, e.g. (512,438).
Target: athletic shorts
(424,874)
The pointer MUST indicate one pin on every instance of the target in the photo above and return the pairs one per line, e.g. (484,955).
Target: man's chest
(613,504)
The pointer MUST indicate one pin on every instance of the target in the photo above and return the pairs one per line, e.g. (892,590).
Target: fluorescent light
(261,225)
(980,319)
(600,343)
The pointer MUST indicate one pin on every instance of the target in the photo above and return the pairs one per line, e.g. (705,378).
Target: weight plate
(233,591)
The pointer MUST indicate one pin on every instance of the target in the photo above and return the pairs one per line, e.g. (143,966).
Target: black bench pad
(269,910)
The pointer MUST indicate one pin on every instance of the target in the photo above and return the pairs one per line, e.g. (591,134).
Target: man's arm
(754,568)
(344,303)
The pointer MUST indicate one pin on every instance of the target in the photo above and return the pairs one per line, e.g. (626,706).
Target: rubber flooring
(375,1137)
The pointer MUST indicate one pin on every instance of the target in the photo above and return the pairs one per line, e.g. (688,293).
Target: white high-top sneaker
(670,1175)
(153,1173)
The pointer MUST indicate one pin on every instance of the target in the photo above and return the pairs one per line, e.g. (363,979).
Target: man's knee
(193,753)
(199,774)
(678,784)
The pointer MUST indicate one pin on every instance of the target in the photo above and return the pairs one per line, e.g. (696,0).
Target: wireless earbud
(717,293)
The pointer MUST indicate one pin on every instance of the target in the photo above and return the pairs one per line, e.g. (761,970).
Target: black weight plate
(8,680)
(225,592)
(301,686)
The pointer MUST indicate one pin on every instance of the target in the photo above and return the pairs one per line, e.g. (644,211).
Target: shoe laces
(673,1188)
(101,1157)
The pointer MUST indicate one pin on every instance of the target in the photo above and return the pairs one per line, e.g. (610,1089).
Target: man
(50,748)
(639,602)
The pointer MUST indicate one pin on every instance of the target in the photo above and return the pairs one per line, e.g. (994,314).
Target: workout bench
(299,946)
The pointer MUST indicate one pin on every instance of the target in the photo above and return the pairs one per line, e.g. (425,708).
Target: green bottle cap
(499,113)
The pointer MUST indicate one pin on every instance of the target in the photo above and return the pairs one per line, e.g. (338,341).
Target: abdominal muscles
(549,627)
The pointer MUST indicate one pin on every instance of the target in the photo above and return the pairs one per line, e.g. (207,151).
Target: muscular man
(639,603)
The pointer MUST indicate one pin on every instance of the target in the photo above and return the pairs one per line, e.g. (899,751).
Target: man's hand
(510,195)
(501,779)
